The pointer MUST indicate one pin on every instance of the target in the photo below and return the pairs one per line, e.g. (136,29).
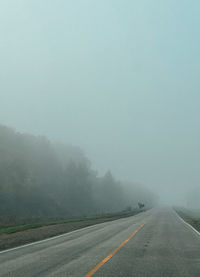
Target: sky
(119,78)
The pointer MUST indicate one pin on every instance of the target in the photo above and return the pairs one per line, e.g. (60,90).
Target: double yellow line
(113,252)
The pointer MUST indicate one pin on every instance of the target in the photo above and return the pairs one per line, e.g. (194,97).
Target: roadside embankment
(14,236)
(190,216)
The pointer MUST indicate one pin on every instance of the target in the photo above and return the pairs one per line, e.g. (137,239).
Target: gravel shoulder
(31,235)
(190,217)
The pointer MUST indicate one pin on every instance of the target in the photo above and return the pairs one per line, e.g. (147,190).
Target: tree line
(40,178)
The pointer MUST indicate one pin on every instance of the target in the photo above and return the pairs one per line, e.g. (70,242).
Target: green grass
(18,228)
(190,216)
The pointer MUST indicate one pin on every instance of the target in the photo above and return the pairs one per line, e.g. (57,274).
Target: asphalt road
(153,243)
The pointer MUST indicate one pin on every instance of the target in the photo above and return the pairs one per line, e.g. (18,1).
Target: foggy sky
(118,78)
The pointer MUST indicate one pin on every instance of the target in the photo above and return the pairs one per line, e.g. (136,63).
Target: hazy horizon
(117,78)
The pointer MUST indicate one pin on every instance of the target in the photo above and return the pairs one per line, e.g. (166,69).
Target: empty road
(155,243)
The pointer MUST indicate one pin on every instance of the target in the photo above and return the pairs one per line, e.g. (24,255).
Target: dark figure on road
(140,205)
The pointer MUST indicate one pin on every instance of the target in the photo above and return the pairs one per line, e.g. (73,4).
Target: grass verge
(13,236)
(23,227)
(190,216)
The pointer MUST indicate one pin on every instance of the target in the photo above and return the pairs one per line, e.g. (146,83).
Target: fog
(119,79)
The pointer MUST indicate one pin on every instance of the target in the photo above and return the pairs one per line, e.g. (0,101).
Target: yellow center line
(112,253)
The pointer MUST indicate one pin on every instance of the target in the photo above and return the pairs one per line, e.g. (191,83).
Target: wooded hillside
(39,178)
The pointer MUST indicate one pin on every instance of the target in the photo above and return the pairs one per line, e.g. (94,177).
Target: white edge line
(52,238)
(186,223)
(56,237)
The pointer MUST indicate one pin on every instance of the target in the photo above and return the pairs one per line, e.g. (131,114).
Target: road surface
(155,243)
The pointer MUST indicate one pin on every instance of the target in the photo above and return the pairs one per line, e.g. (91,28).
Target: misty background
(119,79)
